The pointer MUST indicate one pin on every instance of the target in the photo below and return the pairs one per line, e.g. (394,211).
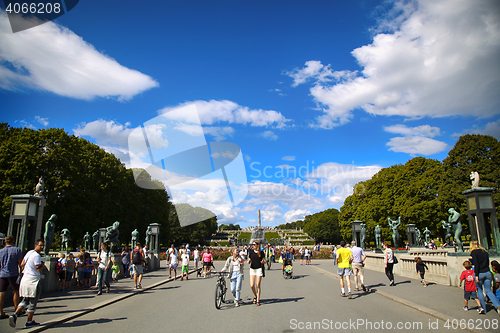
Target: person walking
(334,251)
(196,257)
(104,268)
(301,252)
(184,264)
(126,261)
(344,259)
(145,250)
(268,254)
(256,260)
(388,263)
(358,259)
(136,257)
(174,259)
(481,261)
(420,266)
(29,288)
(234,265)
(10,259)
(207,262)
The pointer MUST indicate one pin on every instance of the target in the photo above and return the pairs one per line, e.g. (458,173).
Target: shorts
(256,272)
(114,275)
(173,266)
(146,261)
(137,269)
(422,275)
(357,268)
(62,276)
(301,256)
(185,269)
(470,295)
(8,281)
(87,275)
(207,264)
(196,260)
(29,303)
(69,275)
(344,271)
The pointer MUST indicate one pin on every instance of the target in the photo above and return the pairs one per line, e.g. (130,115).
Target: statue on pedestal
(427,235)
(40,188)
(378,237)
(149,233)
(48,236)
(418,238)
(112,234)
(474,176)
(87,241)
(394,224)
(135,235)
(65,237)
(454,220)
(95,241)
(363,235)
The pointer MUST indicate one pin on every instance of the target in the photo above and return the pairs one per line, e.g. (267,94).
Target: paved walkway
(312,296)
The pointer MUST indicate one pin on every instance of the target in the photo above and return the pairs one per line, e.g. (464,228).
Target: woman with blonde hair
(234,266)
(256,260)
(481,261)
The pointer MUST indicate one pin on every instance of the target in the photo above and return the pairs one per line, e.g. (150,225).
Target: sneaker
(236,304)
(356,289)
(349,296)
(425,285)
(481,311)
(182,278)
(135,288)
(363,287)
(139,286)
(31,324)
(99,293)
(392,283)
(342,294)
(466,308)
(13,320)
(108,289)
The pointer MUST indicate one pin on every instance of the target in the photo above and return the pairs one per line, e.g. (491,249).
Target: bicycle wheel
(224,289)
(218,296)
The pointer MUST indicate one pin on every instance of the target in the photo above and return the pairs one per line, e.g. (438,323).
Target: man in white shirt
(359,257)
(29,289)
(103,271)
(173,264)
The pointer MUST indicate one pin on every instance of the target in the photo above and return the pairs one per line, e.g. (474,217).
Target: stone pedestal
(356,232)
(482,217)
(25,221)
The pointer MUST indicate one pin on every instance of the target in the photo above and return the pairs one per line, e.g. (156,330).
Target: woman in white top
(234,265)
(196,257)
(388,262)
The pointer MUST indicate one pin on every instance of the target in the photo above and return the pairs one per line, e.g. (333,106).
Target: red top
(468,276)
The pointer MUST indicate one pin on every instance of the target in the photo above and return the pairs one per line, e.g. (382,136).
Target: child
(495,267)
(469,286)
(185,265)
(79,270)
(421,267)
(116,271)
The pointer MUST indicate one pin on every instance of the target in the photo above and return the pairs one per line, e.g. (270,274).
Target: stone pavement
(314,294)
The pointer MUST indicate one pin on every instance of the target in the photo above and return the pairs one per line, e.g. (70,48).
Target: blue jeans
(236,286)
(485,280)
(102,276)
(126,270)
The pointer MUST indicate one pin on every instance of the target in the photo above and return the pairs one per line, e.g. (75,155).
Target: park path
(287,306)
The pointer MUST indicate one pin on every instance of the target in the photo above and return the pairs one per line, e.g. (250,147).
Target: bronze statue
(112,234)
(95,241)
(448,227)
(135,235)
(394,224)
(65,237)
(363,235)
(149,233)
(87,241)
(418,238)
(378,237)
(48,236)
(454,219)
(427,234)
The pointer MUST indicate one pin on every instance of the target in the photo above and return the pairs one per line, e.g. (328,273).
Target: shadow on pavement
(280,300)
(77,323)
(299,276)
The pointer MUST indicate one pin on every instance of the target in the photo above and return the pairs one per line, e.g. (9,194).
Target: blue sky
(319,95)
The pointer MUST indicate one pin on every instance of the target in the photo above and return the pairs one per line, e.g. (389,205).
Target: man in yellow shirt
(344,259)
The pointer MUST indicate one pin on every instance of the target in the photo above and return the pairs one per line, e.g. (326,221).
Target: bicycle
(220,290)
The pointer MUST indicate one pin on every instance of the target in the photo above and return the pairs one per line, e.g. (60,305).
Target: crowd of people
(23,273)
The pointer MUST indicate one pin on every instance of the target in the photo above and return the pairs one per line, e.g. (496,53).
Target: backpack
(136,257)
(59,267)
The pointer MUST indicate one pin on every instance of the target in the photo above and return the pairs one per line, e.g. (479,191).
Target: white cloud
(219,133)
(424,130)
(226,111)
(288,158)
(294,215)
(439,60)
(270,215)
(270,135)
(491,128)
(416,145)
(53,58)
(43,121)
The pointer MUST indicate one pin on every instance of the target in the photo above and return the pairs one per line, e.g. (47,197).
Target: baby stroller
(288,269)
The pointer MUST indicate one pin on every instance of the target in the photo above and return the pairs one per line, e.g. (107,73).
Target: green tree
(324,226)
